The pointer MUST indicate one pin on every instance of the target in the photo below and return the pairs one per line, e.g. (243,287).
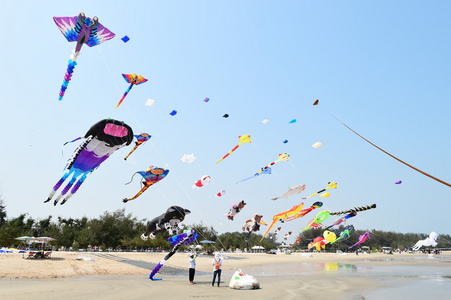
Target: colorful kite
(398,182)
(431,240)
(101,141)
(133,79)
(253,225)
(176,241)
(263,171)
(355,209)
(343,234)
(418,170)
(298,240)
(277,231)
(291,191)
(141,139)
(282,157)
(220,194)
(125,39)
(201,182)
(342,220)
(330,185)
(82,30)
(362,239)
(151,176)
(303,212)
(316,222)
(292,121)
(243,139)
(287,235)
(206,99)
(166,221)
(236,208)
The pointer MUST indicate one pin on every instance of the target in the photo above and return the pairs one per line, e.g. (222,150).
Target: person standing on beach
(192,267)
(217,264)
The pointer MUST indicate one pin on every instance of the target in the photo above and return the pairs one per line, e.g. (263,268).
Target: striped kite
(133,79)
(151,176)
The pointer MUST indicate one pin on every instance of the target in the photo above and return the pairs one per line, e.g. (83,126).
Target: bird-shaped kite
(243,139)
(82,30)
(330,185)
(141,139)
(362,239)
(151,176)
(133,79)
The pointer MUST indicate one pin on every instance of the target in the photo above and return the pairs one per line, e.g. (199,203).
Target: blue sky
(382,68)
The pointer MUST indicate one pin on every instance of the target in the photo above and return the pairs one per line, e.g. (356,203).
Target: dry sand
(118,275)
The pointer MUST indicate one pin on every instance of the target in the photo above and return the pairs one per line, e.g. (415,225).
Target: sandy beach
(117,275)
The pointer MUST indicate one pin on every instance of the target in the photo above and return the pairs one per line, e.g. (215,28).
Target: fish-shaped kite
(82,30)
(330,185)
(151,176)
(291,191)
(342,220)
(141,139)
(243,139)
(362,239)
(133,79)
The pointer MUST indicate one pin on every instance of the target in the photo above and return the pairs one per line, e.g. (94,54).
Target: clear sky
(381,67)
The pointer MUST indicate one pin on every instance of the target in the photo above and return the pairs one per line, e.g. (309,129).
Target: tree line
(120,231)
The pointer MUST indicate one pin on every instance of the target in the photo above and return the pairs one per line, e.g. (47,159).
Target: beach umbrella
(44,240)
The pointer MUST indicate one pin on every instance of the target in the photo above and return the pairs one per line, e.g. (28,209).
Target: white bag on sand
(243,281)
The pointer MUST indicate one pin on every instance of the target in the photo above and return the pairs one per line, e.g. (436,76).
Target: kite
(243,139)
(265,121)
(176,241)
(167,221)
(125,39)
(277,231)
(236,208)
(297,240)
(225,116)
(220,194)
(173,113)
(263,171)
(343,234)
(141,139)
(287,235)
(316,222)
(398,182)
(286,141)
(342,220)
(330,185)
(188,158)
(291,191)
(150,176)
(292,121)
(418,170)
(431,240)
(101,141)
(291,214)
(362,239)
(201,182)
(317,145)
(355,209)
(206,99)
(319,243)
(133,79)
(253,225)
(82,30)
(243,281)
(150,102)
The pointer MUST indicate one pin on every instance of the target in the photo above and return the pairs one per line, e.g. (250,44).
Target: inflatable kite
(316,222)
(176,241)
(150,176)
(429,241)
(201,182)
(343,234)
(291,191)
(167,221)
(330,185)
(291,214)
(298,240)
(243,281)
(133,79)
(243,139)
(101,141)
(141,139)
(253,225)
(82,30)
(220,194)
(188,158)
(287,235)
(355,209)
(403,162)
(342,220)
(277,231)
(236,208)
(362,239)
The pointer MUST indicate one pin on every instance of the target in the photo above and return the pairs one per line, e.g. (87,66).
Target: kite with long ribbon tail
(133,79)
(401,161)
(267,169)
(82,30)
(243,139)
(176,241)
(151,176)
(316,222)
(362,239)
(140,139)
(330,185)
(355,209)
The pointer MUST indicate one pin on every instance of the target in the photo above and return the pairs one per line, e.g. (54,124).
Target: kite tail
(67,77)
(138,194)
(75,188)
(131,151)
(125,94)
(57,186)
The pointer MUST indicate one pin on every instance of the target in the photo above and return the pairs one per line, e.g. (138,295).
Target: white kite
(291,191)
(429,241)
(188,158)
(317,145)
(150,102)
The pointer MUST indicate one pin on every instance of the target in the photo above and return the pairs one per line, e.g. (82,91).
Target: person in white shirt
(217,264)
(192,267)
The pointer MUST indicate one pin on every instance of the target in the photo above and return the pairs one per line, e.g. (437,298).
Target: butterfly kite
(141,139)
(243,139)
(133,79)
(82,30)
(151,176)
(101,141)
